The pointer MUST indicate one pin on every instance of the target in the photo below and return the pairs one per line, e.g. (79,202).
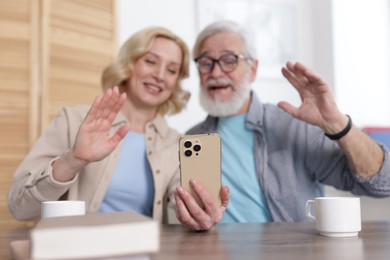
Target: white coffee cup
(62,208)
(335,216)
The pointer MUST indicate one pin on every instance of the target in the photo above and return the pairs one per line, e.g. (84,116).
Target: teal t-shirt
(247,203)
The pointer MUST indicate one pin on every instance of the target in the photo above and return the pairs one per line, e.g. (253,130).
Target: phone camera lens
(197,148)
(187,144)
(188,153)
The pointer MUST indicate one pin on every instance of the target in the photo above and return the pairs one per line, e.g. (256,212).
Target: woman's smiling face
(155,74)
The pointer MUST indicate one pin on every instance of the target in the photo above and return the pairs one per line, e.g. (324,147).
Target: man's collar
(255,113)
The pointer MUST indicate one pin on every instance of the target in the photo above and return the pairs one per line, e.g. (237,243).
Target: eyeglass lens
(227,63)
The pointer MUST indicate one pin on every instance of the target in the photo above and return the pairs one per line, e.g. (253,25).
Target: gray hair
(226,26)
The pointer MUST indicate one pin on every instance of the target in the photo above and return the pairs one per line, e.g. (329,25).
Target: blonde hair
(121,69)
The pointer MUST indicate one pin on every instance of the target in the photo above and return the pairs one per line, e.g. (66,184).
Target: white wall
(361,68)
(346,41)
(362,59)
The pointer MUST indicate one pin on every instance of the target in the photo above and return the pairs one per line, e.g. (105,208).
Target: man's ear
(253,71)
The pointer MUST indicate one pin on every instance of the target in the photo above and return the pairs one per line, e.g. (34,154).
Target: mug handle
(309,216)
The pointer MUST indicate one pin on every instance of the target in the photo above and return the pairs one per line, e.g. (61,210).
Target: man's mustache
(213,82)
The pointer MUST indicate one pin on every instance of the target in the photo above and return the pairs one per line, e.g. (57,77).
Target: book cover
(94,236)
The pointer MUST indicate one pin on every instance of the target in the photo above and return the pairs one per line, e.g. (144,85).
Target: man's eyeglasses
(227,62)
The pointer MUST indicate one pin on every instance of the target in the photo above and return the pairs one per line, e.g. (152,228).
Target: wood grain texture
(52,55)
(272,241)
(80,41)
(15,80)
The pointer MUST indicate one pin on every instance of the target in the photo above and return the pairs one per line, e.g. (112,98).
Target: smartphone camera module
(191,147)
(197,148)
(187,144)
(188,153)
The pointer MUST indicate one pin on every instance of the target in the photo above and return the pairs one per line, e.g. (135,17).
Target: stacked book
(95,236)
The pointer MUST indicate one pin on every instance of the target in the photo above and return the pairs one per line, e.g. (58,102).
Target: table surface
(254,241)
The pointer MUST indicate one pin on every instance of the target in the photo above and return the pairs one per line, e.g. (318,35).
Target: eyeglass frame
(237,56)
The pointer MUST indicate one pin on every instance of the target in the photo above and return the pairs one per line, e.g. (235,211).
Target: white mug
(62,208)
(335,216)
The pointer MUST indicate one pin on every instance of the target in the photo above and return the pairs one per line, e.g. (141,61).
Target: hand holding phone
(200,159)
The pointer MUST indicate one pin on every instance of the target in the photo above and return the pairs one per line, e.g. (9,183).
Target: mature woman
(119,154)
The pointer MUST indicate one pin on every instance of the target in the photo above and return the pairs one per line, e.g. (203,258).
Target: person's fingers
(182,213)
(179,204)
(204,196)
(193,207)
(91,115)
(302,69)
(212,212)
(313,76)
(289,108)
(117,107)
(120,134)
(119,103)
(110,105)
(292,79)
(310,74)
(298,73)
(225,197)
(106,99)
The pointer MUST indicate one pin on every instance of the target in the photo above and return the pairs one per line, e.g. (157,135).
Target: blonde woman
(119,154)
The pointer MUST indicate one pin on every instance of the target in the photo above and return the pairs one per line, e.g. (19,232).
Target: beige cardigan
(33,182)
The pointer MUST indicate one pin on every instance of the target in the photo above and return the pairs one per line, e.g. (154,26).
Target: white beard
(220,108)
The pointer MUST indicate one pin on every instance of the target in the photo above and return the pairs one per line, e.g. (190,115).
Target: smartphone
(200,159)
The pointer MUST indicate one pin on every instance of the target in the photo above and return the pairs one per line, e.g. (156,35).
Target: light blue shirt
(247,202)
(131,187)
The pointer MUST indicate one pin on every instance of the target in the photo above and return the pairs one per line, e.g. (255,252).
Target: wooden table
(292,241)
